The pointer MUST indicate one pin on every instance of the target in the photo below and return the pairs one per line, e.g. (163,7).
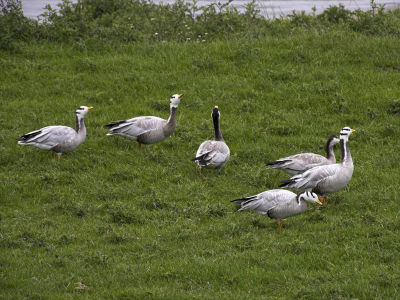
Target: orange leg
(279,224)
(147,147)
(324,200)
(52,154)
(140,145)
(200,172)
(59,156)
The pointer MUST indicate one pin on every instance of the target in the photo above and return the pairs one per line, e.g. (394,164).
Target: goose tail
(200,159)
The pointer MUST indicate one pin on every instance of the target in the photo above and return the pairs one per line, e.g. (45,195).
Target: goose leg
(140,146)
(147,147)
(200,171)
(279,224)
(324,200)
(52,154)
(59,156)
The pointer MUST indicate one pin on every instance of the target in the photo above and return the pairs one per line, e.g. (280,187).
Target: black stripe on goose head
(175,100)
(309,197)
(78,111)
(83,110)
(345,131)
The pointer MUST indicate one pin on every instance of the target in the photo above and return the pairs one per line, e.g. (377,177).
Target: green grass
(110,222)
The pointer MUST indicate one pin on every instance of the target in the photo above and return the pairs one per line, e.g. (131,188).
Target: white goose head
(334,139)
(345,133)
(175,99)
(309,197)
(82,111)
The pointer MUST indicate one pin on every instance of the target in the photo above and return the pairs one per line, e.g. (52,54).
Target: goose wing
(136,126)
(47,137)
(310,178)
(212,152)
(265,201)
(298,163)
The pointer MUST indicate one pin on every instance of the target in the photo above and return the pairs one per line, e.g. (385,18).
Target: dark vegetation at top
(94,24)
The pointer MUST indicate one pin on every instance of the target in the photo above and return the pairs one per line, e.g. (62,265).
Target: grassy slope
(136,225)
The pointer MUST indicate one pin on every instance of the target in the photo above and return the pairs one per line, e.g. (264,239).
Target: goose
(213,154)
(278,204)
(147,130)
(299,163)
(328,179)
(58,139)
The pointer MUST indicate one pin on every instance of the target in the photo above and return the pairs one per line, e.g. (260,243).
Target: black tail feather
(276,162)
(114,123)
(240,201)
(28,136)
(200,159)
(286,182)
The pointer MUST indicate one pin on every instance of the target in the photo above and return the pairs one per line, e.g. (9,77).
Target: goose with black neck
(213,154)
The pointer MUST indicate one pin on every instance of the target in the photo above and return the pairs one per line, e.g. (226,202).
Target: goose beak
(89,108)
(353,130)
(180,95)
(319,202)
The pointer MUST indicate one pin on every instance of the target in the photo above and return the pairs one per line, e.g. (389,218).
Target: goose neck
(345,152)
(169,128)
(172,115)
(80,124)
(217,130)
(330,155)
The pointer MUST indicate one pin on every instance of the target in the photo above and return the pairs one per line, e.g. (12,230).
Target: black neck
(217,130)
(329,148)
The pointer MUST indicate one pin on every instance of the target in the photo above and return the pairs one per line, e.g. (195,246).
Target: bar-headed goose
(147,130)
(213,154)
(58,139)
(325,180)
(299,163)
(278,204)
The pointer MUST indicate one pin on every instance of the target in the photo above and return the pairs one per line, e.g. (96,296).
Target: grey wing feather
(267,200)
(299,162)
(50,136)
(312,177)
(216,152)
(137,126)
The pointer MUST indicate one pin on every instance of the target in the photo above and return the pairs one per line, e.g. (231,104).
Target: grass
(110,222)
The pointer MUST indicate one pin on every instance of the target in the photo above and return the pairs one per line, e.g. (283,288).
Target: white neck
(345,151)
